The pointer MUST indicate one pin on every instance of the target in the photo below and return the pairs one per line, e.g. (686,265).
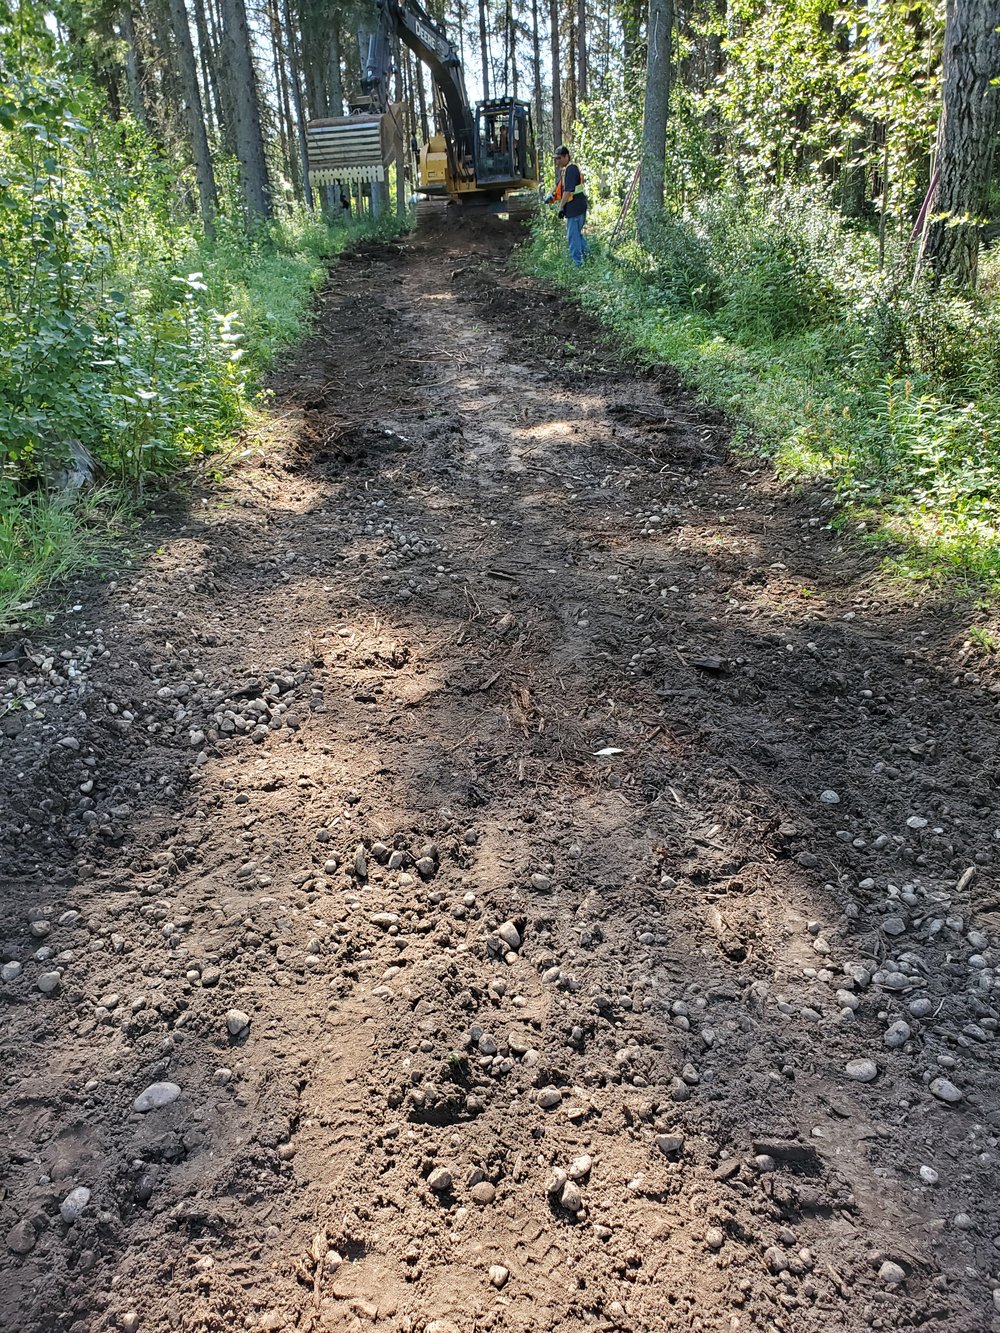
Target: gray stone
(21,1237)
(928,1175)
(863,1071)
(829,797)
(572,1197)
(10,971)
(48,983)
(155,1096)
(898,1034)
(891,1274)
(921,1007)
(580,1167)
(237,1022)
(71,1208)
(894,925)
(715,1238)
(916,822)
(945,1091)
(548,1098)
(510,935)
(541,882)
(439,1180)
(498,1275)
(669,1144)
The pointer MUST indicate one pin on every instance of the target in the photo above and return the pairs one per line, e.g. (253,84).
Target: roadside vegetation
(132,339)
(773,308)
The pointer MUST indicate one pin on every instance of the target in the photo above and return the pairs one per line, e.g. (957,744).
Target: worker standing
(572,202)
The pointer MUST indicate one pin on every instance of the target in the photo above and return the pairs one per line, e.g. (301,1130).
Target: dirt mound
(495,863)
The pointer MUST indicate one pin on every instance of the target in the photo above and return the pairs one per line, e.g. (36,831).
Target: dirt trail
(565,808)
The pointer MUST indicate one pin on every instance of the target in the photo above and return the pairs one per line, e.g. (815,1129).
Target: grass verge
(824,366)
(268,285)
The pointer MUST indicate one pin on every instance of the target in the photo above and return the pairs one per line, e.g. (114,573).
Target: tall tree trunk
(242,79)
(484,48)
(207,199)
(569,84)
(536,68)
(967,134)
(286,128)
(654,120)
(208,51)
(334,78)
(133,68)
(557,121)
(295,88)
(582,81)
(425,126)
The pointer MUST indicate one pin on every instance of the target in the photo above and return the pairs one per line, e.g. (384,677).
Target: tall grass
(775,309)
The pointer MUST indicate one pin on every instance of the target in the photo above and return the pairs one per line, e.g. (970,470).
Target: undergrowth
(775,309)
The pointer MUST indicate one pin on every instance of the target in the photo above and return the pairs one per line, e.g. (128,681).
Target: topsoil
(488,630)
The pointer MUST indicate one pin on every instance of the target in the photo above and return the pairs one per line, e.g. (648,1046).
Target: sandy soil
(551,869)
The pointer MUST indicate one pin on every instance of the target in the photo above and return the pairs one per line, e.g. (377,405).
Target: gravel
(862,1071)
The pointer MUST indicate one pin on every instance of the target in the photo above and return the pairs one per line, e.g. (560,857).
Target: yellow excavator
(478,155)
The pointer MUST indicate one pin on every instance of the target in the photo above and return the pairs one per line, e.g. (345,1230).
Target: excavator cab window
(503,136)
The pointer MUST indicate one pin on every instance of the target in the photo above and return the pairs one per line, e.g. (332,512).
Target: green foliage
(125,335)
(775,309)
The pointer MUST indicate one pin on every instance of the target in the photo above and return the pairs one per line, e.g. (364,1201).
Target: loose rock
(863,1071)
(155,1096)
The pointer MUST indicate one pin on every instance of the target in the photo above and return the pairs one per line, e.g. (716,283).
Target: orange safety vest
(558,192)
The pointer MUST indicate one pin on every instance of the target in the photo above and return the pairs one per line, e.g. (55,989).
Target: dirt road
(547,875)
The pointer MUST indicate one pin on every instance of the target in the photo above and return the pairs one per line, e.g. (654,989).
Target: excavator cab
(505,144)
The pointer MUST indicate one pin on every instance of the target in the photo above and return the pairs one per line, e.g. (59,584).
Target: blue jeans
(576,240)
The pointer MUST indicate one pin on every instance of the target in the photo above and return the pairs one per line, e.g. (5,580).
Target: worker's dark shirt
(573,184)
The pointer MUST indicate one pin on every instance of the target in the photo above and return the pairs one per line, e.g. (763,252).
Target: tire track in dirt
(492,632)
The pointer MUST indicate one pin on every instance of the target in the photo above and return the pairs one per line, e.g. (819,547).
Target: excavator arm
(408,20)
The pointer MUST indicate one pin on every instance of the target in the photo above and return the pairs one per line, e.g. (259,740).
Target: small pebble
(498,1275)
(572,1198)
(897,1035)
(237,1022)
(71,1208)
(715,1238)
(155,1096)
(484,1192)
(48,982)
(945,1090)
(549,1098)
(928,1175)
(510,935)
(891,1274)
(439,1180)
(829,797)
(863,1071)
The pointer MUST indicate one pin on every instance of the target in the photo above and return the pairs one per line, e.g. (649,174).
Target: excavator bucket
(352,149)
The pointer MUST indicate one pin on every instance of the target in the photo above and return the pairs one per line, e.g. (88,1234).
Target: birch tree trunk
(188,70)
(654,120)
(967,135)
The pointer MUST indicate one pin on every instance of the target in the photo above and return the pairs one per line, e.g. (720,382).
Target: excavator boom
(476,154)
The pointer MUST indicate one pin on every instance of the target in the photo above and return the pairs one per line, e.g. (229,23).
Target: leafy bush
(829,364)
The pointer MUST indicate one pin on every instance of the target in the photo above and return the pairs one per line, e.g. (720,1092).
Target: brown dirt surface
(437,803)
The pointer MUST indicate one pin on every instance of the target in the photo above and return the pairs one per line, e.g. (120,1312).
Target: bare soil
(488,629)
